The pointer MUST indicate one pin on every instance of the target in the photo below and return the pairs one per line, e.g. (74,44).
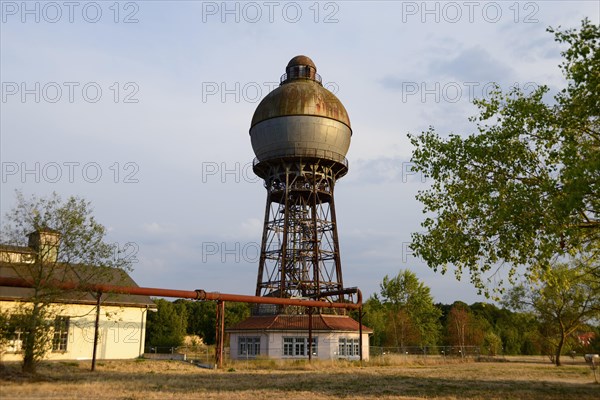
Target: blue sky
(144,108)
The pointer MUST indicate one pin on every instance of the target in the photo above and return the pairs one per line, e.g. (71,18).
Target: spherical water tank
(300,118)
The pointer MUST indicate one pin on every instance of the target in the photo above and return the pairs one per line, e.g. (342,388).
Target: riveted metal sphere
(301,118)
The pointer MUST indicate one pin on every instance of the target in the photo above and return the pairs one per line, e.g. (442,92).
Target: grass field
(381,379)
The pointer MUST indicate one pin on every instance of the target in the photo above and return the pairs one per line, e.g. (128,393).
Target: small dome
(301,60)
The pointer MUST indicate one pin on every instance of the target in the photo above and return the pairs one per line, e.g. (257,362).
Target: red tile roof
(320,322)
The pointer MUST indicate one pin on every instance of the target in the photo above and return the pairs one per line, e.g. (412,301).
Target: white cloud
(155,228)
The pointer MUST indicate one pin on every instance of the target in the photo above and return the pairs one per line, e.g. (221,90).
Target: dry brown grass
(400,379)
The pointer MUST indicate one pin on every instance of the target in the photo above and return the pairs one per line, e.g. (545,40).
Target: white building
(72,314)
(286,337)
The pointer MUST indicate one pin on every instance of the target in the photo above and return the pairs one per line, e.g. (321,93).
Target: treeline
(494,330)
(555,318)
(168,326)
(403,315)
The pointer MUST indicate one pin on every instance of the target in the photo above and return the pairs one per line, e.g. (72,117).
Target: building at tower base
(286,337)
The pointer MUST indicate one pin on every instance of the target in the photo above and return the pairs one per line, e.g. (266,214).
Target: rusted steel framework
(300,255)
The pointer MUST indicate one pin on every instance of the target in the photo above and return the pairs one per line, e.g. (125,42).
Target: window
(298,346)
(15,342)
(248,346)
(348,347)
(15,333)
(61,334)
(288,346)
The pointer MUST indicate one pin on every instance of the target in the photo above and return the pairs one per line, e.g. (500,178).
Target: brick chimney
(45,242)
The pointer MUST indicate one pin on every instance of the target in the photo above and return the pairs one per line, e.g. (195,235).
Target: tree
(524,189)
(413,318)
(234,312)
(516,330)
(594,346)
(492,343)
(374,316)
(463,328)
(202,317)
(167,327)
(73,239)
(564,301)
(5,330)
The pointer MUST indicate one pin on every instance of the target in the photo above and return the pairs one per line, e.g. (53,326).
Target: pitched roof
(77,273)
(17,249)
(320,322)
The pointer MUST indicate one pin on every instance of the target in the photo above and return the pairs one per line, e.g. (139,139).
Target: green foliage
(492,343)
(236,312)
(375,317)
(519,334)
(35,324)
(82,238)
(509,330)
(564,301)
(166,327)
(526,187)
(516,330)
(412,318)
(6,330)
(463,328)
(82,242)
(594,346)
(202,319)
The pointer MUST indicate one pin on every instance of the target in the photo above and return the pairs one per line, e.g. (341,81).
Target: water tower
(300,134)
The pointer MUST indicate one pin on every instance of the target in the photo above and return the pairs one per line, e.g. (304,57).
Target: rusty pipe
(240,298)
(352,290)
(184,294)
(104,288)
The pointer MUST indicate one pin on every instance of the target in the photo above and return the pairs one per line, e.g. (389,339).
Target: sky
(144,107)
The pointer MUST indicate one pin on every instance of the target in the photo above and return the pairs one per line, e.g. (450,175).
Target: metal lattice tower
(300,134)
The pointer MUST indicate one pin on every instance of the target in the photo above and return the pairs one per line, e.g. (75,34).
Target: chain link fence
(427,351)
(204,355)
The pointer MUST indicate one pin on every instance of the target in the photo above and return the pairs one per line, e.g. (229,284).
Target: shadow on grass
(352,382)
(371,382)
